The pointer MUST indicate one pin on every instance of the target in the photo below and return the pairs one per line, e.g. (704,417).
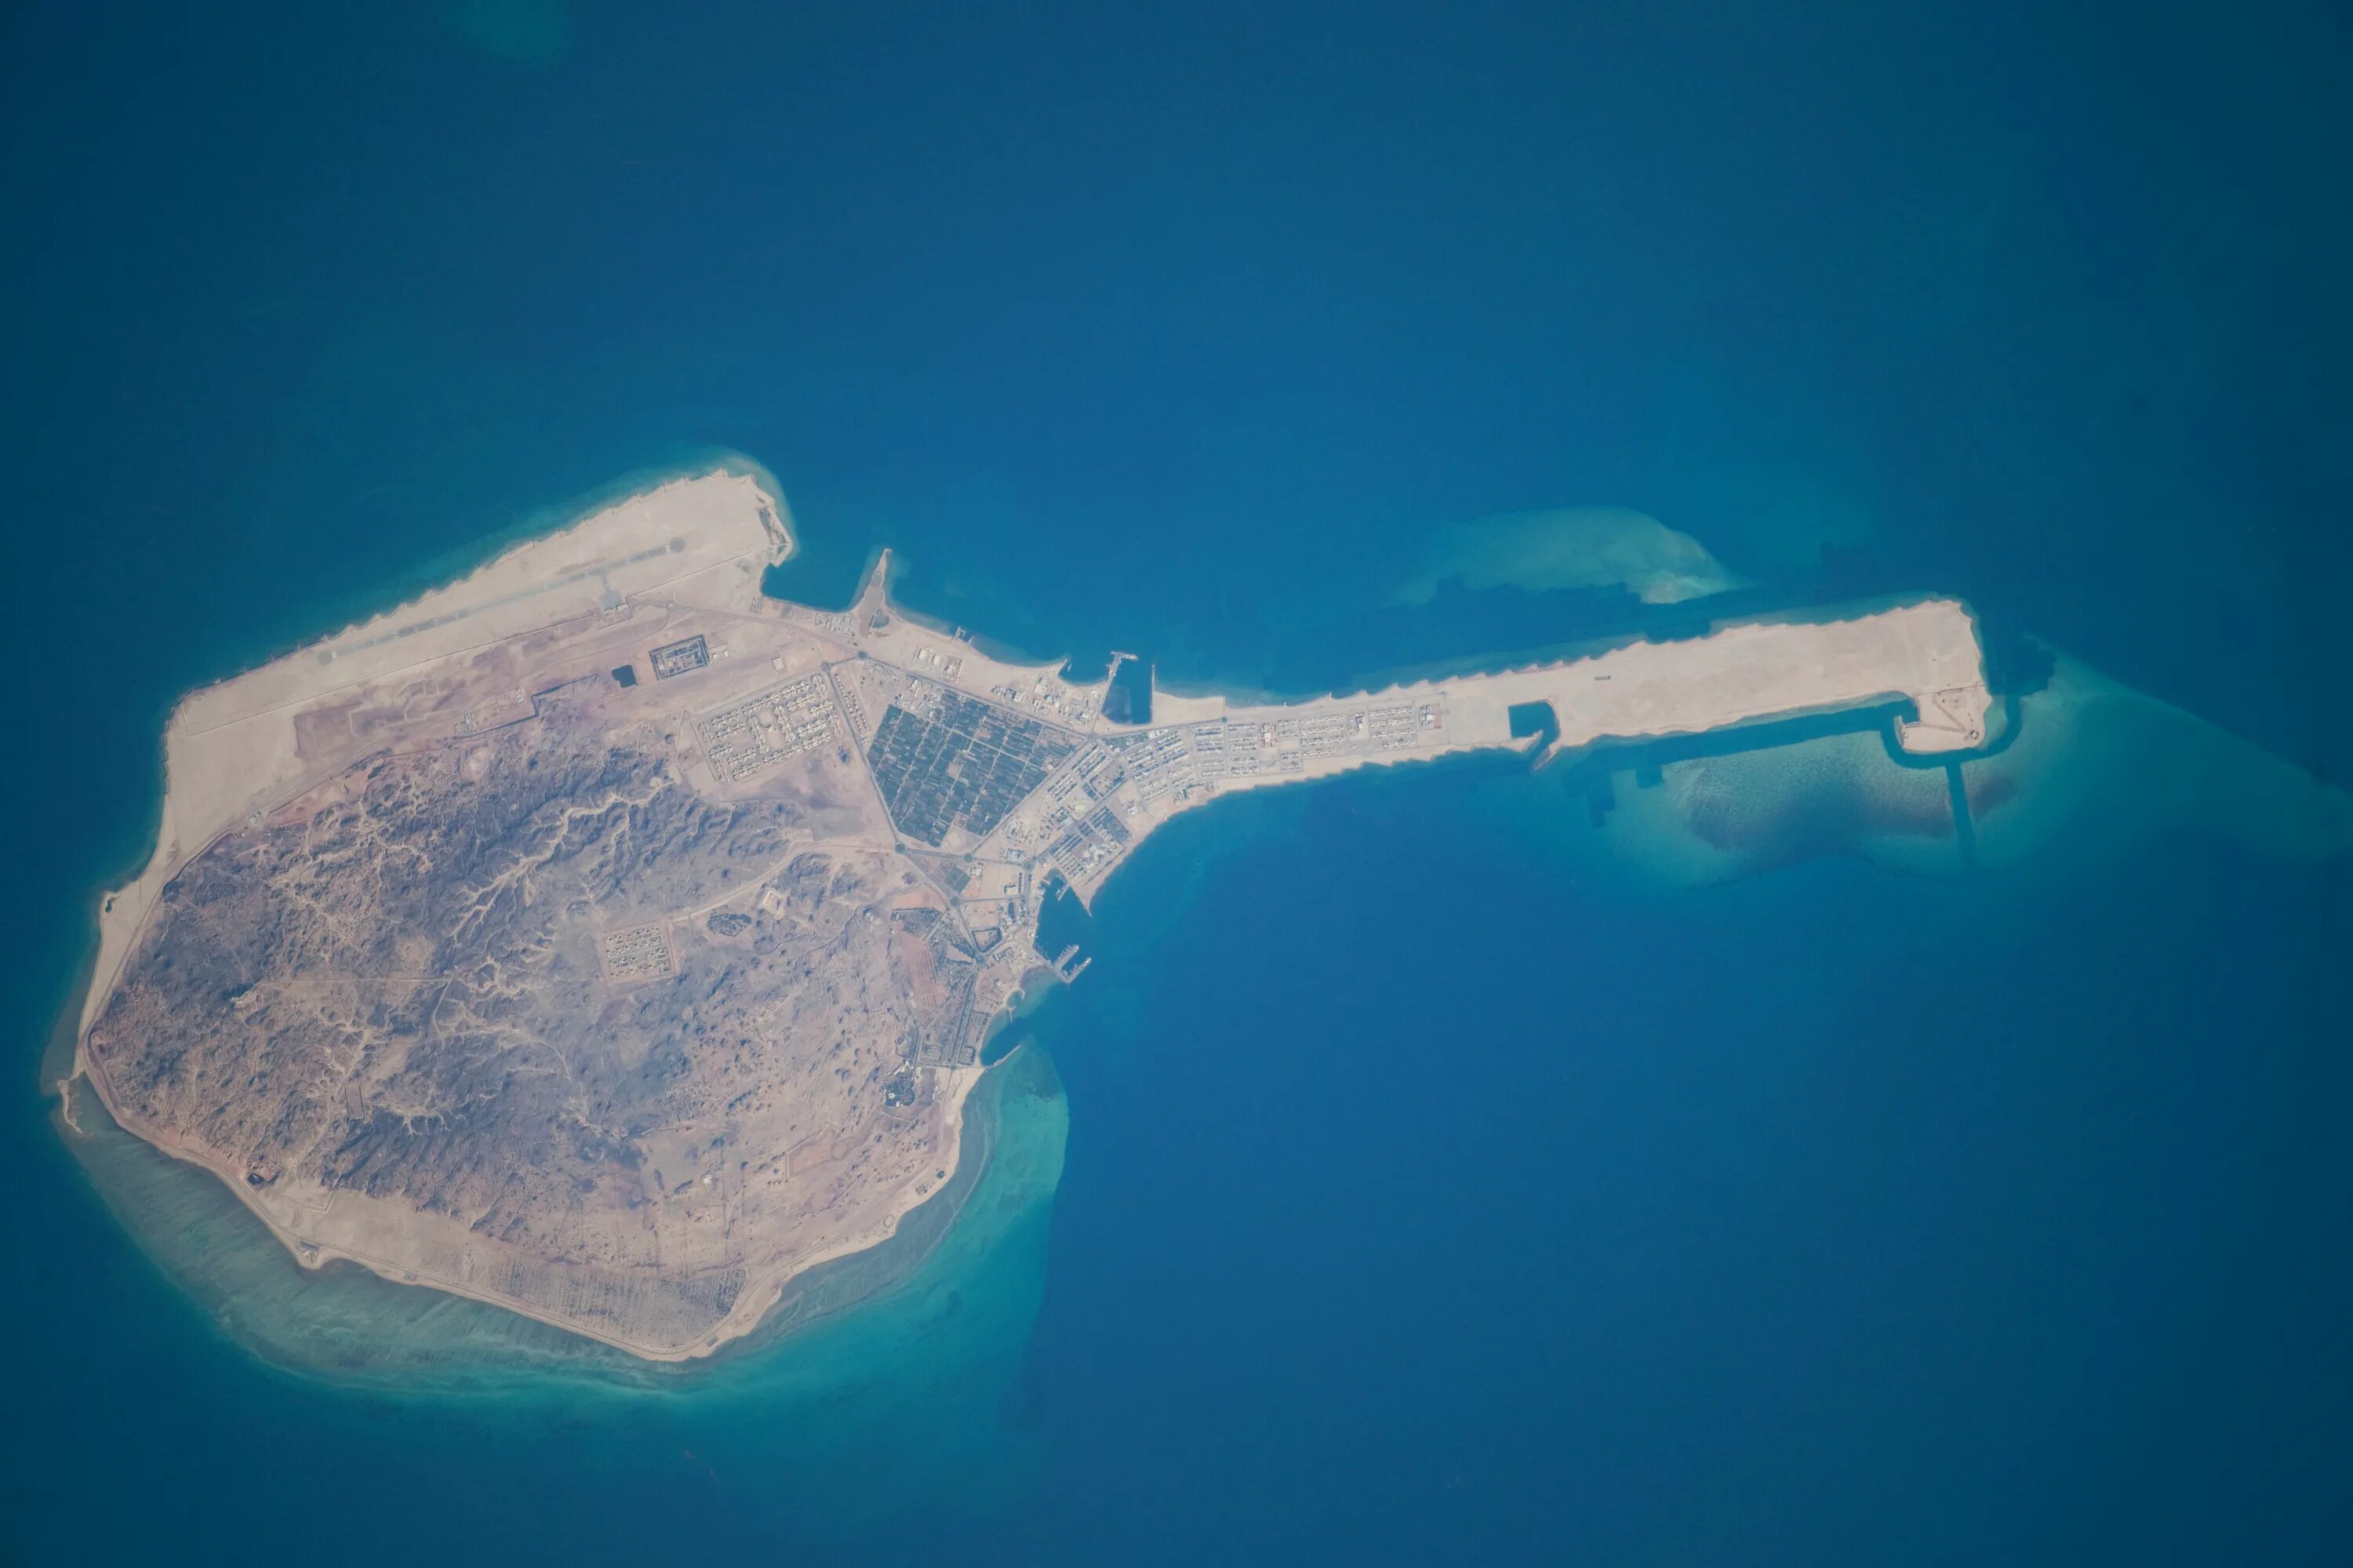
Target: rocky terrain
(616,1044)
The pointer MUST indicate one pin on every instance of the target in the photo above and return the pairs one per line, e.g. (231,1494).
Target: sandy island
(630,1060)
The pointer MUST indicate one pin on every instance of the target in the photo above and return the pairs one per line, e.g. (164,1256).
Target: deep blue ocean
(1436,1182)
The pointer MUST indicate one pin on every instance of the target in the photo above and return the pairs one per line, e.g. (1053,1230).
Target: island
(604,939)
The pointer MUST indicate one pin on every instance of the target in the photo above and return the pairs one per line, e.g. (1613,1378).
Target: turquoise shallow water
(784,1439)
(348,1328)
(1443,1177)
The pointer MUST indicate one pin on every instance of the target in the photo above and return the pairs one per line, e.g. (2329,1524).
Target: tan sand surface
(784,712)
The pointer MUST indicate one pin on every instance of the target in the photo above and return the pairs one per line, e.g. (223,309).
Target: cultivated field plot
(966,766)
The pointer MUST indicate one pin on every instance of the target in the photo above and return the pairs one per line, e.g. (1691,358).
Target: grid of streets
(965,764)
(783,722)
(1091,841)
(1176,756)
(640,952)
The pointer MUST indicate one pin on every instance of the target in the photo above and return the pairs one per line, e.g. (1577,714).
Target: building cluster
(837,624)
(947,665)
(782,722)
(853,706)
(637,953)
(688,654)
(1087,846)
(1175,757)
(1079,833)
(1049,696)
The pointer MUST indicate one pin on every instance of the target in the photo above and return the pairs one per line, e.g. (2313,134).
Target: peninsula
(603,938)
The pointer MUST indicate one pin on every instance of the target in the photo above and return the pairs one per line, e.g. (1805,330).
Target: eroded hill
(604,939)
(536,1008)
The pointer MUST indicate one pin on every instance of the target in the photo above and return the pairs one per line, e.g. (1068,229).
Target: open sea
(1455,1163)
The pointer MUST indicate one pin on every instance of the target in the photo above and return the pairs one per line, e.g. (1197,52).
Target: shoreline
(317,1255)
(422,1342)
(231,758)
(1659,624)
(166,854)
(763,1331)
(197,806)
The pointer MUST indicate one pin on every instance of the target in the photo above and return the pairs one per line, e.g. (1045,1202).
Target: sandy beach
(769,687)
(234,754)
